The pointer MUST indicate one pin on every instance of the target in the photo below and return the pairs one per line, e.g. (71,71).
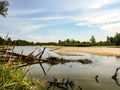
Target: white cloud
(71,5)
(3,35)
(24,12)
(101,3)
(90,13)
(50,18)
(31,28)
(104,20)
(106,17)
(39,38)
(81,24)
(74,5)
(113,27)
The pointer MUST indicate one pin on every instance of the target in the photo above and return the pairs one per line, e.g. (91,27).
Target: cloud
(30,28)
(106,17)
(81,24)
(70,5)
(24,12)
(105,20)
(50,18)
(113,27)
(101,15)
(3,35)
(41,38)
(101,3)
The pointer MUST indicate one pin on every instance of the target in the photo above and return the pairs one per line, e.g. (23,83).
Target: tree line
(115,40)
(110,41)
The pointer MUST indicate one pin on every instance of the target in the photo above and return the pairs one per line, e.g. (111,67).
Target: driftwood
(114,77)
(33,59)
(55,60)
(30,58)
(19,57)
(96,78)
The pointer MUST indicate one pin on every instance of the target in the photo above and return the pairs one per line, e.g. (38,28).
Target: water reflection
(61,84)
(95,76)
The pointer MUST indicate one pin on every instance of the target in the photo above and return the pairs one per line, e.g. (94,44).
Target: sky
(53,20)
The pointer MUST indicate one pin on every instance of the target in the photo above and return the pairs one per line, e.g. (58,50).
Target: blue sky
(53,20)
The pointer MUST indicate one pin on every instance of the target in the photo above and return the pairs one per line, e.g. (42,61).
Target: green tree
(59,41)
(111,40)
(67,41)
(117,39)
(92,40)
(3,7)
(1,41)
(108,39)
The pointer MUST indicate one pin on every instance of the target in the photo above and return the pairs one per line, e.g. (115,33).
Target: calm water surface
(82,75)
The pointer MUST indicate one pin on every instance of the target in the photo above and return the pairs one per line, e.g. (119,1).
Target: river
(83,75)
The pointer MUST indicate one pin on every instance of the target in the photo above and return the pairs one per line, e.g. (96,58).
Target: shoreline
(102,51)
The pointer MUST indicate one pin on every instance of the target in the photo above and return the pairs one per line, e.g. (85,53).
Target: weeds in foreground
(12,76)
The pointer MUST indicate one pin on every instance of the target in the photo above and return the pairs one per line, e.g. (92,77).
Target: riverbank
(103,51)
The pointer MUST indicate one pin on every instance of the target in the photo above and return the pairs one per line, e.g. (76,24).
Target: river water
(83,75)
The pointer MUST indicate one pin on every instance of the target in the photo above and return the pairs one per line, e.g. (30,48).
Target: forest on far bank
(110,41)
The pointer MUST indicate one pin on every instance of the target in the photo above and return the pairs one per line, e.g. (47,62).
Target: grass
(14,78)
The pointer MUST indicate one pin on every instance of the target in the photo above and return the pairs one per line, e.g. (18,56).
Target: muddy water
(82,75)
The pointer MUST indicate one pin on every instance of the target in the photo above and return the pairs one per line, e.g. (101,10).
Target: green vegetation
(15,42)
(12,78)
(110,41)
(3,7)
(92,39)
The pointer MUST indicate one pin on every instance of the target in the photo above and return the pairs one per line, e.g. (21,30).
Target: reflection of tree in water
(115,76)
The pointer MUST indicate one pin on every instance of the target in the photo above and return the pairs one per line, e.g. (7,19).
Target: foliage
(92,40)
(12,77)
(110,39)
(115,40)
(3,7)
(22,42)
(1,41)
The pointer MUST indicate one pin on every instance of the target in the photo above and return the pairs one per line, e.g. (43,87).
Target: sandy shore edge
(103,51)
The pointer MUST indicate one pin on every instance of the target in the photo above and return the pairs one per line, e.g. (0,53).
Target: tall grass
(12,78)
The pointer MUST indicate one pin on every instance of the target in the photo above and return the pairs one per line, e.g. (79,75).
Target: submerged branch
(114,77)
(96,78)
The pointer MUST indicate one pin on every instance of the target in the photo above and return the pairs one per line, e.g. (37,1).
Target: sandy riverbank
(104,51)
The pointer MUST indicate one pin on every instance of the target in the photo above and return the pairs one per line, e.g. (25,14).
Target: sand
(104,51)
(65,53)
